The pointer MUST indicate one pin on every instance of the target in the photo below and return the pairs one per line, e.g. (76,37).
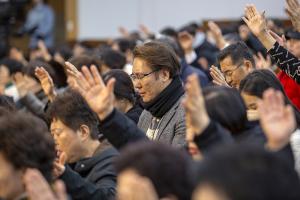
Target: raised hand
(45,53)
(217,34)
(281,40)
(293,11)
(99,96)
(37,187)
(186,41)
(262,62)
(46,82)
(258,26)
(197,118)
(124,32)
(277,119)
(25,84)
(255,20)
(59,164)
(145,30)
(218,77)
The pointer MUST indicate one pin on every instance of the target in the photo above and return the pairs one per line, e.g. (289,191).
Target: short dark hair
(226,106)
(158,56)
(26,143)
(85,60)
(65,51)
(123,86)
(169,31)
(112,59)
(125,44)
(12,65)
(32,65)
(258,81)
(73,111)
(168,168)
(249,172)
(238,52)
(174,44)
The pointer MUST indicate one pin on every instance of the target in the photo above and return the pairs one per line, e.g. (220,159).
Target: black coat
(92,178)
(134,113)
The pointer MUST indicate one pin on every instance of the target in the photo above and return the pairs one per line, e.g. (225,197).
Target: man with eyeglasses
(156,78)
(236,62)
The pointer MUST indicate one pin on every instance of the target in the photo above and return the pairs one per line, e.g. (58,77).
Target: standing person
(39,24)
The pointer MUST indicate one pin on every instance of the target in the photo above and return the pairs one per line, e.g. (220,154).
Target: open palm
(255,20)
(277,120)
(90,84)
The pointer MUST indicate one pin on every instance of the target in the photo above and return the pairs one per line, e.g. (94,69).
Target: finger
(274,35)
(88,76)
(70,67)
(62,158)
(82,83)
(110,85)
(246,21)
(96,75)
(60,190)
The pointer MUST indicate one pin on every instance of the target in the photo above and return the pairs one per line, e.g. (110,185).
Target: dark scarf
(166,99)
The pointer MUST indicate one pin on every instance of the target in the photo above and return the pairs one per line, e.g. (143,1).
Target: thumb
(62,158)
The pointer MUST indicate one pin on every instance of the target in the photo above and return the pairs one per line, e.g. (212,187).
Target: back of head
(32,65)
(167,168)
(112,59)
(249,172)
(169,31)
(158,56)
(12,65)
(70,108)
(237,52)
(226,106)
(125,44)
(26,143)
(173,44)
(123,86)
(85,60)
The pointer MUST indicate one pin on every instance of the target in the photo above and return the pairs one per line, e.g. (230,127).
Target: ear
(84,132)
(248,65)
(165,75)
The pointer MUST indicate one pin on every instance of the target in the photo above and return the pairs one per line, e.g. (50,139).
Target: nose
(137,84)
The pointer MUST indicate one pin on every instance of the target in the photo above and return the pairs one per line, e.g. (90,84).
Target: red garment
(291,88)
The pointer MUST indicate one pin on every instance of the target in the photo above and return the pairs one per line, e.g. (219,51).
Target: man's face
(66,140)
(294,47)
(233,73)
(11,185)
(150,86)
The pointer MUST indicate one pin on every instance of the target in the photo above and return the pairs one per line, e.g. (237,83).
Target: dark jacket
(187,70)
(92,178)
(134,113)
(252,133)
(119,130)
(213,136)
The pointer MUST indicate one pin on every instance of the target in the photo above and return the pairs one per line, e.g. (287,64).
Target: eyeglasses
(140,76)
(230,72)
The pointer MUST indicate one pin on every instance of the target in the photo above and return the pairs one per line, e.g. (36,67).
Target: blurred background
(97,21)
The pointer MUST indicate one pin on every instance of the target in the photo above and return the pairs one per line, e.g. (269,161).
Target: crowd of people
(181,114)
